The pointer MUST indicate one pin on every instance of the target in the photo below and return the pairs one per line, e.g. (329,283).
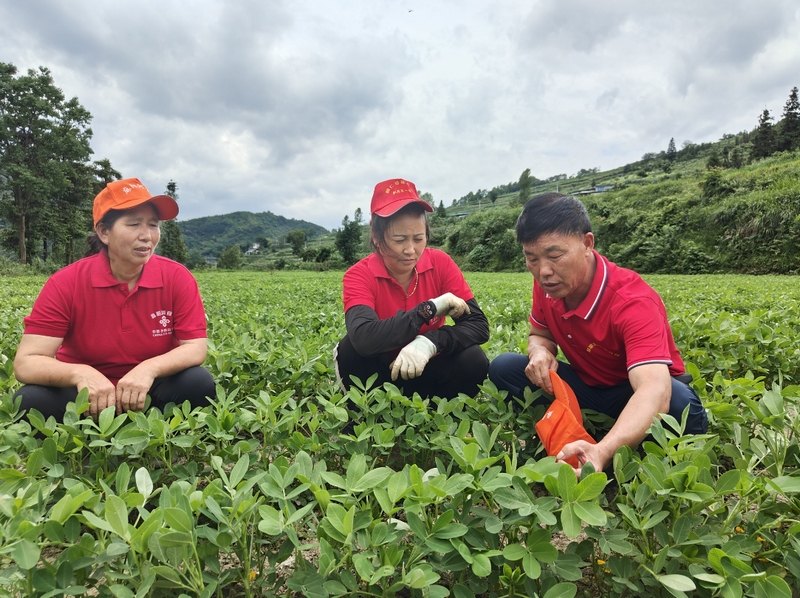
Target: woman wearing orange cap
(122,322)
(396,302)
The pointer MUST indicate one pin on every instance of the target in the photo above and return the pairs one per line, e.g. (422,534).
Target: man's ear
(588,241)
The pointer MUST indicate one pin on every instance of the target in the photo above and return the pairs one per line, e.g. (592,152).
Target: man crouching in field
(609,323)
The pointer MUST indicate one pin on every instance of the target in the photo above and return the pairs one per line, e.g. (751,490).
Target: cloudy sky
(300,106)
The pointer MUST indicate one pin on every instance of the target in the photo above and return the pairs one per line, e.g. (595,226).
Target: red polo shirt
(369,283)
(620,324)
(105,326)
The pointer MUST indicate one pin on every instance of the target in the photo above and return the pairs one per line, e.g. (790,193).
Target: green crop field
(262,494)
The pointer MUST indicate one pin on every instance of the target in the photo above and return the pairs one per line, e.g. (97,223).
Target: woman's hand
(412,358)
(450,305)
(102,393)
(133,387)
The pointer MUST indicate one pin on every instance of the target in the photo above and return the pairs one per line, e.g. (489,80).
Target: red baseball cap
(391,195)
(129,193)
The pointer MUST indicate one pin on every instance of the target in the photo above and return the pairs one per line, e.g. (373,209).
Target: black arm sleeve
(371,335)
(470,329)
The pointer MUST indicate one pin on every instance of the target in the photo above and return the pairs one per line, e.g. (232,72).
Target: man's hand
(413,358)
(101,390)
(585,453)
(133,387)
(450,305)
(540,362)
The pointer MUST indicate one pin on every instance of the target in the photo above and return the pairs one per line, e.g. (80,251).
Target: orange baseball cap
(389,196)
(129,193)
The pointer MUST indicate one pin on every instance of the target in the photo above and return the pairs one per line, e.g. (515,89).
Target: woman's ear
(102,232)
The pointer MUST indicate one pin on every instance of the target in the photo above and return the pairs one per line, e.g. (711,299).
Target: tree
(524,185)
(172,245)
(348,238)
(789,138)
(440,211)
(263,244)
(297,239)
(44,150)
(195,259)
(763,139)
(493,194)
(672,153)
(105,173)
(230,258)
(713,160)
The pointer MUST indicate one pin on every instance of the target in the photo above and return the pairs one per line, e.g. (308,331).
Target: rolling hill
(211,234)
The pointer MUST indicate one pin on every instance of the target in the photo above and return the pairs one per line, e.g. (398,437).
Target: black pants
(193,384)
(445,375)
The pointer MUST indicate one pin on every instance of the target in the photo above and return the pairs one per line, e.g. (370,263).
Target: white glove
(413,358)
(450,305)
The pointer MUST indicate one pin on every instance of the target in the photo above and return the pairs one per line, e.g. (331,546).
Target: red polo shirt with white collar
(622,323)
(369,283)
(113,330)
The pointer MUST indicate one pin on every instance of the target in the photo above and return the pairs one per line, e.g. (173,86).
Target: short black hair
(380,224)
(552,213)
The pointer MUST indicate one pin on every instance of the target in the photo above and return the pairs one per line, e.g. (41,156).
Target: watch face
(427,310)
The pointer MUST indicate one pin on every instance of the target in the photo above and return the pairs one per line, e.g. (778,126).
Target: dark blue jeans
(507,372)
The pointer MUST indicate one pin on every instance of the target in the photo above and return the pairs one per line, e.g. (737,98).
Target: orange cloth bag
(562,422)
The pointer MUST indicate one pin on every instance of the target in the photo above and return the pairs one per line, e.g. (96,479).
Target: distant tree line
(47,179)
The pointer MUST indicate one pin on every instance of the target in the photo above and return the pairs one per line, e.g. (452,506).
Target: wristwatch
(427,310)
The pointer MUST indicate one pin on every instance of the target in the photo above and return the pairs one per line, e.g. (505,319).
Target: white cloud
(300,108)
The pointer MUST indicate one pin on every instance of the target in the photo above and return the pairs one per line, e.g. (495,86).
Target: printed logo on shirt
(596,346)
(164,318)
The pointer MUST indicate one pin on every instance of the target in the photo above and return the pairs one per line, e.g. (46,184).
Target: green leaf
(336,515)
(561,590)
(178,520)
(785,484)
(117,516)
(590,513)
(679,583)
(481,565)
(167,573)
(371,479)
(481,433)
(95,521)
(144,483)
(363,566)
(68,506)
(453,530)
(567,482)
(443,520)
(570,522)
(397,487)
(121,591)
(25,554)
(514,552)
(271,520)
(531,566)
(590,487)
(123,478)
(462,591)
(239,470)
(417,525)
(512,498)
(772,587)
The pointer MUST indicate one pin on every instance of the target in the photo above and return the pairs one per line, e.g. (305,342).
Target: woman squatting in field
(122,322)
(396,302)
